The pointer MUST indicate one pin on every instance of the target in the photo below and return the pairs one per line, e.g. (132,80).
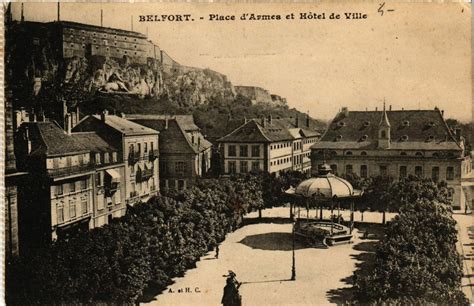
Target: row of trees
(417,261)
(153,243)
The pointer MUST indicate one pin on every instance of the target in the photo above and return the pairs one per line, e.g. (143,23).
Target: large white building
(396,143)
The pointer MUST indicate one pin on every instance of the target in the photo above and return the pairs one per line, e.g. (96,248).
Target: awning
(114,175)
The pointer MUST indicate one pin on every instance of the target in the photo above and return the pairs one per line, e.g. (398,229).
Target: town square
(237,154)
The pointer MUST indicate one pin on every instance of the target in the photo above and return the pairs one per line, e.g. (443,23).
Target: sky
(417,56)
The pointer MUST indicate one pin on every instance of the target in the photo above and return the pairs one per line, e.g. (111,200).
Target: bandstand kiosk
(327,190)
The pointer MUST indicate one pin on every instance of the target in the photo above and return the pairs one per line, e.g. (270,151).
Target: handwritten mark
(381,9)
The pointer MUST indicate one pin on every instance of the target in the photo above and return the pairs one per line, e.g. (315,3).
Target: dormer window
(406,123)
(431,124)
(364,137)
(430,138)
(404,138)
(338,137)
(366,123)
(341,123)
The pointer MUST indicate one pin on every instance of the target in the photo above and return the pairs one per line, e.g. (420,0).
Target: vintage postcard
(238,153)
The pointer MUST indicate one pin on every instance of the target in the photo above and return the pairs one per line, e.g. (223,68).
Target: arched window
(383,134)
(403,153)
(418,154)
(348,152)
(435,154)
(333,153)
(363,153)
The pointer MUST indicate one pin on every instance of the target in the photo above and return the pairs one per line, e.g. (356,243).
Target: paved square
(263,262)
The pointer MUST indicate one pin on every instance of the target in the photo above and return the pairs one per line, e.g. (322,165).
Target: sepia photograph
(230,153)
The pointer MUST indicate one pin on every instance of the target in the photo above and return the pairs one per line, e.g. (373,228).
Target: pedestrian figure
(217,251)
(231,295)
(366,234)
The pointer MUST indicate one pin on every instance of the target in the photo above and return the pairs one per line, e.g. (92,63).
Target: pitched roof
(125,126)
(173,139)
(93,142)
(409,129)
(186,122)
(277,130)
(52,140)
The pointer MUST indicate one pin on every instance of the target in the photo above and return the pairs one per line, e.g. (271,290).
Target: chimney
(458,132)
(68,123)
(122,115)
(307,120)
(297,122)
(345,111)
(78,114)
(390,107)
(103,115)
(376,108)
(442,113)
(64,108)
(270,119)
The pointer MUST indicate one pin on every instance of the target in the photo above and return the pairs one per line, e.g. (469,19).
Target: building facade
(185,153)
(270,145)
(138,148)
(394,143)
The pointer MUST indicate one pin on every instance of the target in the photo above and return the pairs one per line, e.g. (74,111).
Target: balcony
(66,171)
(144,175)
(133,158)
(153,154)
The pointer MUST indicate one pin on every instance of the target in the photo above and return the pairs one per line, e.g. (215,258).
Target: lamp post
(293,267)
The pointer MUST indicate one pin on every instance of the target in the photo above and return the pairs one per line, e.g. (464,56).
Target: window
(244,150)
(419,171)
(255,166)
(68,162)
(232,151)
(383,170)
(180,184)
(97,158)
(84,207)
(334,168)
(55,163)
(363,171)
(348,169)
(403,153)
(139,147)
(145,148)
(403,171)
(418,154)
(106,158)
(243,166)
(449,173)
(232,167)
(72,209)
(72,187)
(84,184)
(363,153)
(114,157)
(60,213)
(81,160)
(450,193)
(383,134)
(59,189)
(348,152)
(256,151)
(180,167)
(151,146)
(98,179)
(435,174)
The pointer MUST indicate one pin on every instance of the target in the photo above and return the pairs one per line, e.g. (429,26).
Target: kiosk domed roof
(325,185)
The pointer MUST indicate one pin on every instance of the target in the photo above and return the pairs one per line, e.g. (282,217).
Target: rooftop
(125,126)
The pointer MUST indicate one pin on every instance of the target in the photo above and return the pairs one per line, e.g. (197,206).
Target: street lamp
(293,267)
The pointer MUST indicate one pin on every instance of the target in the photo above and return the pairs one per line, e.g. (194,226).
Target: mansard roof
(409,130)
